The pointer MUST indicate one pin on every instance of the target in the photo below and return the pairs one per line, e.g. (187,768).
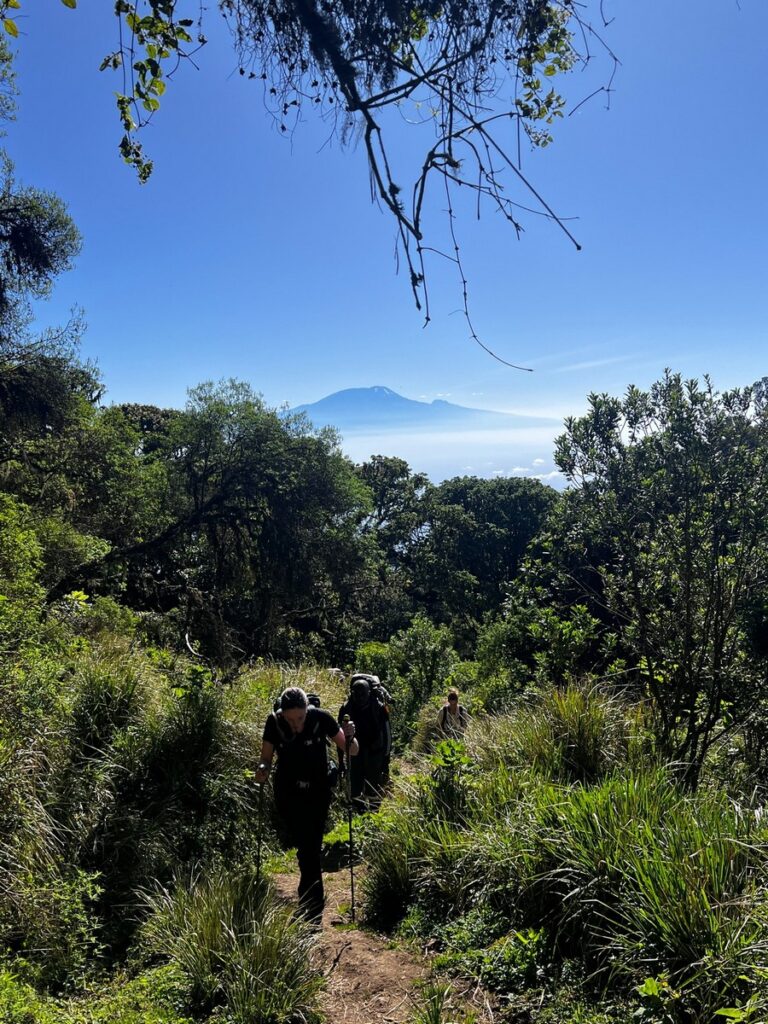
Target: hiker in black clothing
(298,732)
(367,708)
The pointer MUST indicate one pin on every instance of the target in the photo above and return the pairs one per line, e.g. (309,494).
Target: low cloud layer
(521,452)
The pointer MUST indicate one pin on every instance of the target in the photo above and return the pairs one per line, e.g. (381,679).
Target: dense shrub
(20,563)
(568,828)
(118,768)
(574,734)
(237,946)
(153,997)
(47,903)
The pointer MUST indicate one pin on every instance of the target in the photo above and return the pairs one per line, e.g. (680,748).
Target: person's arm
(265,764)
(347,732)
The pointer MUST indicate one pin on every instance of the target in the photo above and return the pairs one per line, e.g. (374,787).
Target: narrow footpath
(367,982)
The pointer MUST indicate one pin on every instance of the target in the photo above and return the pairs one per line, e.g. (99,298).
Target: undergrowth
(554,836)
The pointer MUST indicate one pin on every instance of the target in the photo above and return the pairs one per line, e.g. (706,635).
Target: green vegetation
(236,947)
(561,841)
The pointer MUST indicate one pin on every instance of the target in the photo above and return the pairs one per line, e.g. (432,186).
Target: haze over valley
(439,438)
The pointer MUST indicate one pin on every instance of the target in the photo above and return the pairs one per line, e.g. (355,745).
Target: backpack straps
(284,733)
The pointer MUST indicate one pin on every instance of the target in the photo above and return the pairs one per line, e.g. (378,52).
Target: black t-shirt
(302,756)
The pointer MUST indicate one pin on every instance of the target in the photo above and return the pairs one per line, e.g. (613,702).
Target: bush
(238,948)
(152,998)
(424,657)
(511,964)
(576,734)
(389,844)
(633,872)
(21,595)
(376,658)
(567,825)
(46,911)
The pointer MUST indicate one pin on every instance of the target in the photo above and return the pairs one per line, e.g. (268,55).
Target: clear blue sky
(253,256)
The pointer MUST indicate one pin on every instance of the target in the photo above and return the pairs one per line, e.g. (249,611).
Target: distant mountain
(365,410)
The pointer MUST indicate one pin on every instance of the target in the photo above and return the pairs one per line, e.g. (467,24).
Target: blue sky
(260,257)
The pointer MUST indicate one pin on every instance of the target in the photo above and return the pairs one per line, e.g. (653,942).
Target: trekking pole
(349,813)
(260,827)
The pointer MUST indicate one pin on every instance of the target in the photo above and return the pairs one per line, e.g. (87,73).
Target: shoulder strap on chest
(282,731)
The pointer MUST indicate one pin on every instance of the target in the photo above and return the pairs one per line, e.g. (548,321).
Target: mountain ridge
(357,410)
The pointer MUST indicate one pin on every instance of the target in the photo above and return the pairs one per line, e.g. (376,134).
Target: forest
(593,849)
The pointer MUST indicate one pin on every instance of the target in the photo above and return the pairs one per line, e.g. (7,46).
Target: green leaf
(72,4)
(650,987)
(11,27)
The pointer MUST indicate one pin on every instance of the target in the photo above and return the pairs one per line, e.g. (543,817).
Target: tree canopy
(476,77)
(663,536)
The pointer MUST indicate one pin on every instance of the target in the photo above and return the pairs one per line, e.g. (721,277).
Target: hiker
(298,732)
(453,718)
(366,706)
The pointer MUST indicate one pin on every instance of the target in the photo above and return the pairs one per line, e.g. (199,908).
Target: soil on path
(367,982)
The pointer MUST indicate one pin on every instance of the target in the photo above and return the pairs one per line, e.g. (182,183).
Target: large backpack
(379,705)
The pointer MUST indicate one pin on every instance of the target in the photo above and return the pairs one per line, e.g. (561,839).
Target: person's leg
(357,769)
(309,848)
(295,810)
(374,779)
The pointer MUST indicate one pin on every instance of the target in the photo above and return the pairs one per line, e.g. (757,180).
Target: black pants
(303,812)
(367,778)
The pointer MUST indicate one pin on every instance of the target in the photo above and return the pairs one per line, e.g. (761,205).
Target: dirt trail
(368,983)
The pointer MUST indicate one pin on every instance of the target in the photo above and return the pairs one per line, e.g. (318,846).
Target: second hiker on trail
(298,732)
(366,706)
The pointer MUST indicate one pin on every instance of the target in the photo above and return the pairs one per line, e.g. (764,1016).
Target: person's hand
(349,730)
(262,774)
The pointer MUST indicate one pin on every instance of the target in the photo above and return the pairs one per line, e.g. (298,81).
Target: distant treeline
(242,529)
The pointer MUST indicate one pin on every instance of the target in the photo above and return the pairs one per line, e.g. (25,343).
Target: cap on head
(293,697)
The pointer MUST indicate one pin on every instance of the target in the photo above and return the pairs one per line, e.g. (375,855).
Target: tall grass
(238,948)
(648,878)
(568,826)
(45,903)
(138,765)
(576,734)
(435,1005)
